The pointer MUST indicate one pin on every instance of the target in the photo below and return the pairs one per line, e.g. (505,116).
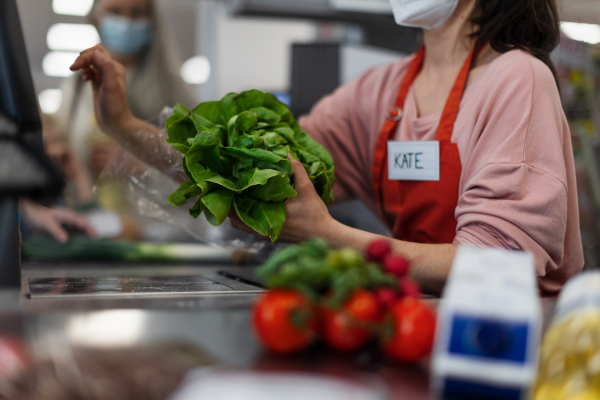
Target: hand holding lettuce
(236,155)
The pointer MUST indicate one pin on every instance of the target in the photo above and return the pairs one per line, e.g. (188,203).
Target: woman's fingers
(74,221)
(98,47)
(84,60)
(56,230)
(302,182)
(55,222)
(95,63)
(90,67)
(86,57)
(237,223)
(89,74)
(107,77)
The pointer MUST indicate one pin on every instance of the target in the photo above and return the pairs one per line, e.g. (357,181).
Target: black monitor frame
(20,120)
(18,101)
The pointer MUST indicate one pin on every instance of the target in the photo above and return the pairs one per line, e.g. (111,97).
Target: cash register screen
(18,102)
(24,168)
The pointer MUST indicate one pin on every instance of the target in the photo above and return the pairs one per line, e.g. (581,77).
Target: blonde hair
(155,81)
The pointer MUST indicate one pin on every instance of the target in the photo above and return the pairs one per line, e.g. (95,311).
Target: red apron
(421,211)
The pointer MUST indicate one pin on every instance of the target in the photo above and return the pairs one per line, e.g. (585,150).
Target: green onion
(78,248)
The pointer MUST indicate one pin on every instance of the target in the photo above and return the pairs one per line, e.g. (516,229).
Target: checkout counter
(182,314)
(178,317)
(215,324)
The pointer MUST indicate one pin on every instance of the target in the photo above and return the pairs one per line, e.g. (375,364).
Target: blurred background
(301,50)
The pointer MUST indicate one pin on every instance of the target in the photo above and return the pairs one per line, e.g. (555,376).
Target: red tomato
(413,330)
(348,328)
(13,356)
(284,321)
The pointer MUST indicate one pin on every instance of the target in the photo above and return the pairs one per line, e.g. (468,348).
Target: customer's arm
(114,117)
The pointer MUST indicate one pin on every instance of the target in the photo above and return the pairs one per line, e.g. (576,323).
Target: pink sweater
(517,188)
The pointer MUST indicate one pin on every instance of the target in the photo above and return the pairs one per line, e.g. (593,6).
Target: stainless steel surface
(224,334)
(207,282)
(217,323)
(73,286)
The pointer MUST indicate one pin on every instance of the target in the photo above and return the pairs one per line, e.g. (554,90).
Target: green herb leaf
(180,128)
(316,270)
(218,204)
(265,217)
(212,111)
(277,188)
(186,191)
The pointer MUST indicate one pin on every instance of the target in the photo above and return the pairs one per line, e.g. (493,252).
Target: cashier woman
(483,91)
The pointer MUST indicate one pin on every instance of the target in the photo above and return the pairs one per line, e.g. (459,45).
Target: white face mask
(426,14)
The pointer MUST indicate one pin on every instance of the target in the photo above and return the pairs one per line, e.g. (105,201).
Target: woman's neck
(448,46)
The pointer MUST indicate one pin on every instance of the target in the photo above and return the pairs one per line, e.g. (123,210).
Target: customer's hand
(108,82)
(56,222)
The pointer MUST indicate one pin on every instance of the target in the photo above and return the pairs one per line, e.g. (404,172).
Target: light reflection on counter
(107,328)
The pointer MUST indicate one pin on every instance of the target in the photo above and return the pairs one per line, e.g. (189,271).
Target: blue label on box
(489,338)
(456,389)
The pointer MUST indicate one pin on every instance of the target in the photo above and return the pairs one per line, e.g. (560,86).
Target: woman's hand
(114,116)
(54,221)
(108,82)
(306,214)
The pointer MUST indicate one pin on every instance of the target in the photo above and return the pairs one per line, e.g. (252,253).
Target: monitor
(24,169)
(18,101)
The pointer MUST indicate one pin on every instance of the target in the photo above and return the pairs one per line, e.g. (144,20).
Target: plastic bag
(147,190)
(570,354)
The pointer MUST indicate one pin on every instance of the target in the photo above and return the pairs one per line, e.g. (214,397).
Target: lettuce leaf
(236,155)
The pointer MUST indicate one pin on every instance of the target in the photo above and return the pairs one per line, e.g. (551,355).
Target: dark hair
(529,25)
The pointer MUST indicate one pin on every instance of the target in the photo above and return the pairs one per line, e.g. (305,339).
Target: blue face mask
(124,36)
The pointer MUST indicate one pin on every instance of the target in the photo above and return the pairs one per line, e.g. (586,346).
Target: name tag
(414,161)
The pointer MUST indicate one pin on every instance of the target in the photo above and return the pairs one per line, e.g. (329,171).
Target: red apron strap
(393,116)
(446,126)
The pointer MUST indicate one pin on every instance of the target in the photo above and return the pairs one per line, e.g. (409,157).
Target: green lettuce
(236,156)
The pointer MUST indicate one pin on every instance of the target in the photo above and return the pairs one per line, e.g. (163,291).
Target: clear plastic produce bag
(147,189)
(570,354)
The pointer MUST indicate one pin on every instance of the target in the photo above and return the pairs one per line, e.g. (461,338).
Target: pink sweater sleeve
(518,183)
